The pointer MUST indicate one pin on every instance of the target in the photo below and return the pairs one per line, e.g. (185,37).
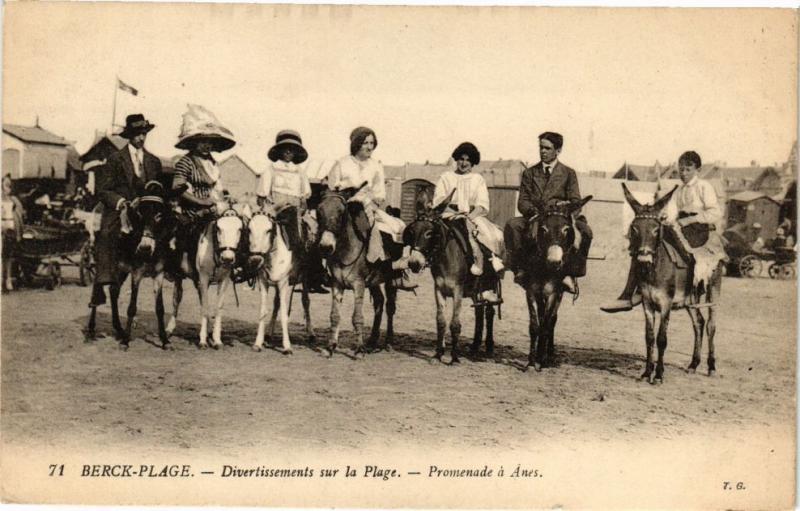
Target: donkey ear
(660,203)
(439,209)
(631,199)
(422,202)
(574,206)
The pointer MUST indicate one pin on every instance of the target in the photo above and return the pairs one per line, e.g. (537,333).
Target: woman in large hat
(356,168)
(471,199)
(197,174)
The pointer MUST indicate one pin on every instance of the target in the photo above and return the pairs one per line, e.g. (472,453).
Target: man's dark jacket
(117,180)
(536,191)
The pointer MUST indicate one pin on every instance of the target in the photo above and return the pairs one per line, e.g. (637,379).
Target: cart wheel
(86,266)
(787,271)
(774,270)
(750,266)
(54,271)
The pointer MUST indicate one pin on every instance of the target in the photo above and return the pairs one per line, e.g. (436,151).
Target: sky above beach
(635,85)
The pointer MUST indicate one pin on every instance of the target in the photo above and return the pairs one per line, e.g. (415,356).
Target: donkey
(665,285)
(217,250)
(142,254)
(344,232)
(278,267)
(552,235)
(435,243)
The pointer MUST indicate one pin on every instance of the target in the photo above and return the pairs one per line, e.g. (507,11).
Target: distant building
(238,177)
(502,179)
(752,207)
(33,152)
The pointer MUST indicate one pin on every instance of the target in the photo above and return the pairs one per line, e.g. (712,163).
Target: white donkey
(280,268)
(216,255)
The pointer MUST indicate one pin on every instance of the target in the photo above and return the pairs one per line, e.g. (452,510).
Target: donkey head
(645,229)
(332,214)
(148,212)
(555,231)
(228,230)
(423,234)
(262,229)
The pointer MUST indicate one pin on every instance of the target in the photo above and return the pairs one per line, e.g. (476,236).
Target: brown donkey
(664,285)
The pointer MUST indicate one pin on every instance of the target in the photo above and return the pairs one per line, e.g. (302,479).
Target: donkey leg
(358,316)
(136,279)
(441,323)
(650,339)
(711,323)
(551,314)
(225,281)
(661,341)
(158,289)
(455,325)
(203,291)
(306,301)
(711,326)
(541,344)
(391,308)
(377,305)
(263,290)
(533,329)
(698,324)
(337,295)
(114,292)
(477,336)
(91,333)
(285,290)
(177,297)
(489,331)
(276,307)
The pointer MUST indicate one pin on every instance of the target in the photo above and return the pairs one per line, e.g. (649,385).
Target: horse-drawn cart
(44,249)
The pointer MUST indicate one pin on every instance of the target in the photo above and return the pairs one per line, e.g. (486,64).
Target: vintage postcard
(399,257)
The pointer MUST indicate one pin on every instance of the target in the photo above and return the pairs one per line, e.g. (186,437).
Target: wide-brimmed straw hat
(134,125)
(199,124)
(288,139)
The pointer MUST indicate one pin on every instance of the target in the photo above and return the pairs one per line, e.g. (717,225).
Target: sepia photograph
(360,256)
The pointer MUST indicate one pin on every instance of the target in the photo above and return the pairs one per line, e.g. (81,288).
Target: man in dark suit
(546,183)
(120,181)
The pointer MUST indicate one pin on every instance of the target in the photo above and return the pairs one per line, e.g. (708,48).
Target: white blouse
(349,172)
(470,189)
(286,178)
(697,196)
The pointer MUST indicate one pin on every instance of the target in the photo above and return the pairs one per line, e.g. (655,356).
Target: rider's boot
(629,297)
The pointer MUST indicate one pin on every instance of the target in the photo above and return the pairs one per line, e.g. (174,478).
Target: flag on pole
(127,88)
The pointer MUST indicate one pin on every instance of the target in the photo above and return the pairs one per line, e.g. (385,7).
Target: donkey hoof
(288,351)
(202,346)
(217,345)
(329,351)
(712,373)
(123,346)
(256,348)
(388,348)
(167,346)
